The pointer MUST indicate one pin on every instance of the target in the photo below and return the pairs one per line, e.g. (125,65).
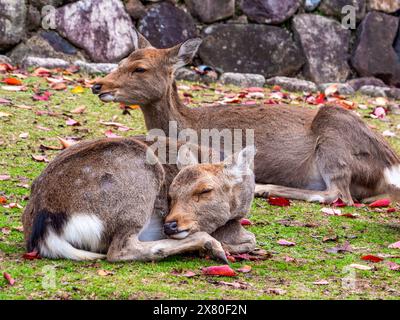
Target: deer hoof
(216,251)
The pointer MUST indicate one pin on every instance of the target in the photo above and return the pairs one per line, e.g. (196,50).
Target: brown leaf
(276,291)
(104,273)
(244,269)
(79,110)
(40,158)
(9,279)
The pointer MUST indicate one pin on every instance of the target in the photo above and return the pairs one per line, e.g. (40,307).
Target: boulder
(311,5)
(187,74)
(5,59)
(245,80)
(388,6)
(209,11)
(334,7)
(101,27)
(325,43)
(342,88)
(357,83)
(46,44)
(33,19)
(135,9)
(251,48)
(293,84)
(394,93)
(94,68)
(374,55)
(165,25)
(374,91)
(44,62)
(54,3)
(12,22)
(270,11)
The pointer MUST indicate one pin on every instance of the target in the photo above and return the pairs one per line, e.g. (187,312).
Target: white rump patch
(392,176)
(81,231)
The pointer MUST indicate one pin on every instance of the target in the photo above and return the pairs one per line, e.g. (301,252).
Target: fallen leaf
(4,177)
(244,269)
(381,203)
(393,265)
(45,96)
(3,200)
(360,266)
(330,238)
(24,135)
(245,222)
(5,67)
(58,86)
(41,72)
(77,89)
(40,158)
(4,114)
(395,245)
(104,273)
(331,90)
(110,134)
(5,230)
(340,249)
(278,201)
(224,270)
(13,88)
(71,122)
(9,279)
(286,243)
(331,211)
(12,81)
(388,133)
(13,205)
(235,284)
(66,143)
(4,101)
(187,274)
(381,101)
(79,110)
(276,291)
(321,282)
(43,128)
(371,258)
(31,255)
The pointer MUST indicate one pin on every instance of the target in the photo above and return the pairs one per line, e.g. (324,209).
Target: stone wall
(292,38)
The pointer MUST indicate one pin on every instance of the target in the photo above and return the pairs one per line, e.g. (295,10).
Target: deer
(316,155)
(113,199)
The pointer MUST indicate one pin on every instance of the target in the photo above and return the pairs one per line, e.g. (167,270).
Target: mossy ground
(292,269)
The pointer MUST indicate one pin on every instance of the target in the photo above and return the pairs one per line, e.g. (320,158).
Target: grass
(291,269)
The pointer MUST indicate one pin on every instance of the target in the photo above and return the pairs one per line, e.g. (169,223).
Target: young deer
(313,155)
(102,199)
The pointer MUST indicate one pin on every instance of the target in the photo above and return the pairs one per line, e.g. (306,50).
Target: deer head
(146,74)
(204,197)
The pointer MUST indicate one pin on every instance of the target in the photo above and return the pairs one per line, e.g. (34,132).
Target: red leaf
(9,279)
(380,203)
(6,67)
(391,210)
(371,258)
(278,201)
(254,89)
(3,200)
(320,99)
(225,271)
(276,88)
(245,222)
(12,81)
(45,96)
(31,255)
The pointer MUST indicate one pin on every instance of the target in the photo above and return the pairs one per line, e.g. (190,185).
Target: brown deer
(106,199)
(313,155)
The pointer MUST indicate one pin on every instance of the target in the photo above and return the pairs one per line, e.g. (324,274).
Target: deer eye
(204,191)
(139,70)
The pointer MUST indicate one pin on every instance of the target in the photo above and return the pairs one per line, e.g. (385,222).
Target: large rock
(101,27)
(251,48)
(388,6)
(357,83)
(165,25)
(293,84)
(374,54)
(270,11)
(46,44)
(325,44)
(94,68)
(243,79)
(311,5)
(54,3)
(210,10)
(334,7)
(12,22)
(44,62)
(135,8)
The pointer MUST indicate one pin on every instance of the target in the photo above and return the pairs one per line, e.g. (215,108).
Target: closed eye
(139,70)
(204,191)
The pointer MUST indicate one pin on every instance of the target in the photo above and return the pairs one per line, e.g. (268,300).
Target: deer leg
(234,238)
(327,196)
(129,248)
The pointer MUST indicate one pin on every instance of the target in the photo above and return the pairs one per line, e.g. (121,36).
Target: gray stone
(293,84)
(311,5)
(357,83)
(54,3)
(94,68)
(374,91)
(209,11)
(334,7)
(251,48)
(12,22)
(33,19)
(394,93)
(374,55)
(270,11)
(44,62)
(342,88)
(135,9)
(46,44)
(187,74)
(243,79)
(165,25)
(101,27)
(388,6)
(325,44)
(5,59)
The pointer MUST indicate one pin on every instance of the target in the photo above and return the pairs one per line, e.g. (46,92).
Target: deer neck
(159,114)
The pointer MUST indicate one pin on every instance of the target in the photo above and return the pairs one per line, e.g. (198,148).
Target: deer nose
(96,88)
(170,228)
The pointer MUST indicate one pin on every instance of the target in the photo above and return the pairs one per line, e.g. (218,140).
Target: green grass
(370,233)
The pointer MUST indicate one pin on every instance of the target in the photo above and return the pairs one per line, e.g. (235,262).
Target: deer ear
(240,163)
(186,157)
(139,41)
(183,53)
